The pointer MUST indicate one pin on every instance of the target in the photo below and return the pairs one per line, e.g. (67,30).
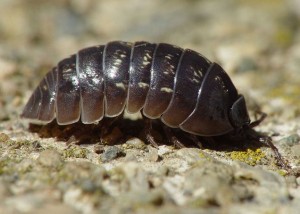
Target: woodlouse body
(181,87)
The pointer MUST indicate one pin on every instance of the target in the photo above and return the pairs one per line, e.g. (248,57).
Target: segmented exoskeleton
(181,87)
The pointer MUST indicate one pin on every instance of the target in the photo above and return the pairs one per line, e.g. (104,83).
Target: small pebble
(50,158)
(25,165)
(296,151)
(190,155)
(88,186)
(246,64)
(152,154)
(131,156)
(55,208)
(25,203)
(143,198)
(290,140)
(136,143)
(163,150)
(291,181)
(136,177)
(4,137)
(6,68)
(4,191)
(298,181)
(111,153)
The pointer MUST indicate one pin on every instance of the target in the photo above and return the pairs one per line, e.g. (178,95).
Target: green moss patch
(250,157)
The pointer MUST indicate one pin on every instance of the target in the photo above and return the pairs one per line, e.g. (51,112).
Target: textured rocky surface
(43,170)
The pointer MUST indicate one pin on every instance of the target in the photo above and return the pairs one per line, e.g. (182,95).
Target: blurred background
(257,42)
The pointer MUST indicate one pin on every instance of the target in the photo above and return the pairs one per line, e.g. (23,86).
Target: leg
(259,120)
(107,126)
(172,138)
(194,139)
(268,141)
(147,130)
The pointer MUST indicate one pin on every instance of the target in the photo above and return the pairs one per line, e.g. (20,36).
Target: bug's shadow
(124,129)
(229,143)
(80,133)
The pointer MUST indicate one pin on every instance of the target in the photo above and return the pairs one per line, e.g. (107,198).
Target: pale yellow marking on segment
(165,89)
(143,85)
(121,85)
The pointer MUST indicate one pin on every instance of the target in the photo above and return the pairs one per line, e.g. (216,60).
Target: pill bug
(179,86)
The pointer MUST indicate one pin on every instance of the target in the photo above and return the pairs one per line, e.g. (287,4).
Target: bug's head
(238,115)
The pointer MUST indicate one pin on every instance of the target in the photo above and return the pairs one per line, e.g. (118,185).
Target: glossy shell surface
(179,86)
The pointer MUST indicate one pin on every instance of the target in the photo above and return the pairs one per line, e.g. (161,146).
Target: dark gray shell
(181,87)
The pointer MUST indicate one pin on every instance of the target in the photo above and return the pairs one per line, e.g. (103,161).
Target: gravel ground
(43,169)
